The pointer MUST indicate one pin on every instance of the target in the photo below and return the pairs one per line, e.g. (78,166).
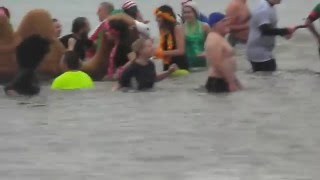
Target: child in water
(142,69)
(74,78)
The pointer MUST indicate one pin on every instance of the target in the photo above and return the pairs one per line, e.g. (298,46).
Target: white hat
(143,28)
(183,2)
(193,5)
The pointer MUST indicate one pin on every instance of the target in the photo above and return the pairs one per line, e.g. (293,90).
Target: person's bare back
(239,15)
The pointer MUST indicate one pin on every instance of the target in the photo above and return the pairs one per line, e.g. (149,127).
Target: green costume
(195,39)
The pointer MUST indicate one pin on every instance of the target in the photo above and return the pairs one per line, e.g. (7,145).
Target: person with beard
(80,30)
(30,53)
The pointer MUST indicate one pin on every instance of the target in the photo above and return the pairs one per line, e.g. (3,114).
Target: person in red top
(314,15)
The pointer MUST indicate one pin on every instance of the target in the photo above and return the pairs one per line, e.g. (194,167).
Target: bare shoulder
(213,39)
(205,27)
(232,6)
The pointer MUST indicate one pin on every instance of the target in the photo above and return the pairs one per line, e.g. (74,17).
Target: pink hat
(128,4)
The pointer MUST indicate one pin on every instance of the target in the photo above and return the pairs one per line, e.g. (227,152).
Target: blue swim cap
(215,17)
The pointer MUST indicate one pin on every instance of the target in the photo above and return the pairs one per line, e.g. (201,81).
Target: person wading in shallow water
(80,30)
(172,39)
(195,35)
(220,56)
(262,36)
(239,15)
(142,69)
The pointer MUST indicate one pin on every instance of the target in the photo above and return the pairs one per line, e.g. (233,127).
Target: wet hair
(168,24)
(108,6)
(132,12)
(72,60)
(124,47)
(78,24)
(31,51)
(6,11)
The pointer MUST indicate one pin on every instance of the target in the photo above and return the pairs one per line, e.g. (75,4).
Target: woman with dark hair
(118,32)
(195,35)
(172,42)
(80,30)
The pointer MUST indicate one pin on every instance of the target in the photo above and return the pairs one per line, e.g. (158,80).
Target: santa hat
(192,5)
(183,2)
(128,4)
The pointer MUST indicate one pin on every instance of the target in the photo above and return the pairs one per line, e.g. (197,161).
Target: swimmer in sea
(142,69)
(220,56)
(313,16)
(262,36)
(239,14)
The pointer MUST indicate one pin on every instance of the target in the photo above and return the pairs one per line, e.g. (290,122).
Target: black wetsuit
(145,76)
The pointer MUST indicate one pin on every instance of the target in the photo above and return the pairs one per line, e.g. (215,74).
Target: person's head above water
(57,27)
(219,23)
(131,8)
(80,26)
(105,10)
(190,11)
(72,60)
(5,11)
(143,47)
(165,17)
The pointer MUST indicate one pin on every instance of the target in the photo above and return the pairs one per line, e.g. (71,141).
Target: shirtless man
(220,56)
(239,15)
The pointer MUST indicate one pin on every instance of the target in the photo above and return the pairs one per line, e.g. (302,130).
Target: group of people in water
(194,41)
